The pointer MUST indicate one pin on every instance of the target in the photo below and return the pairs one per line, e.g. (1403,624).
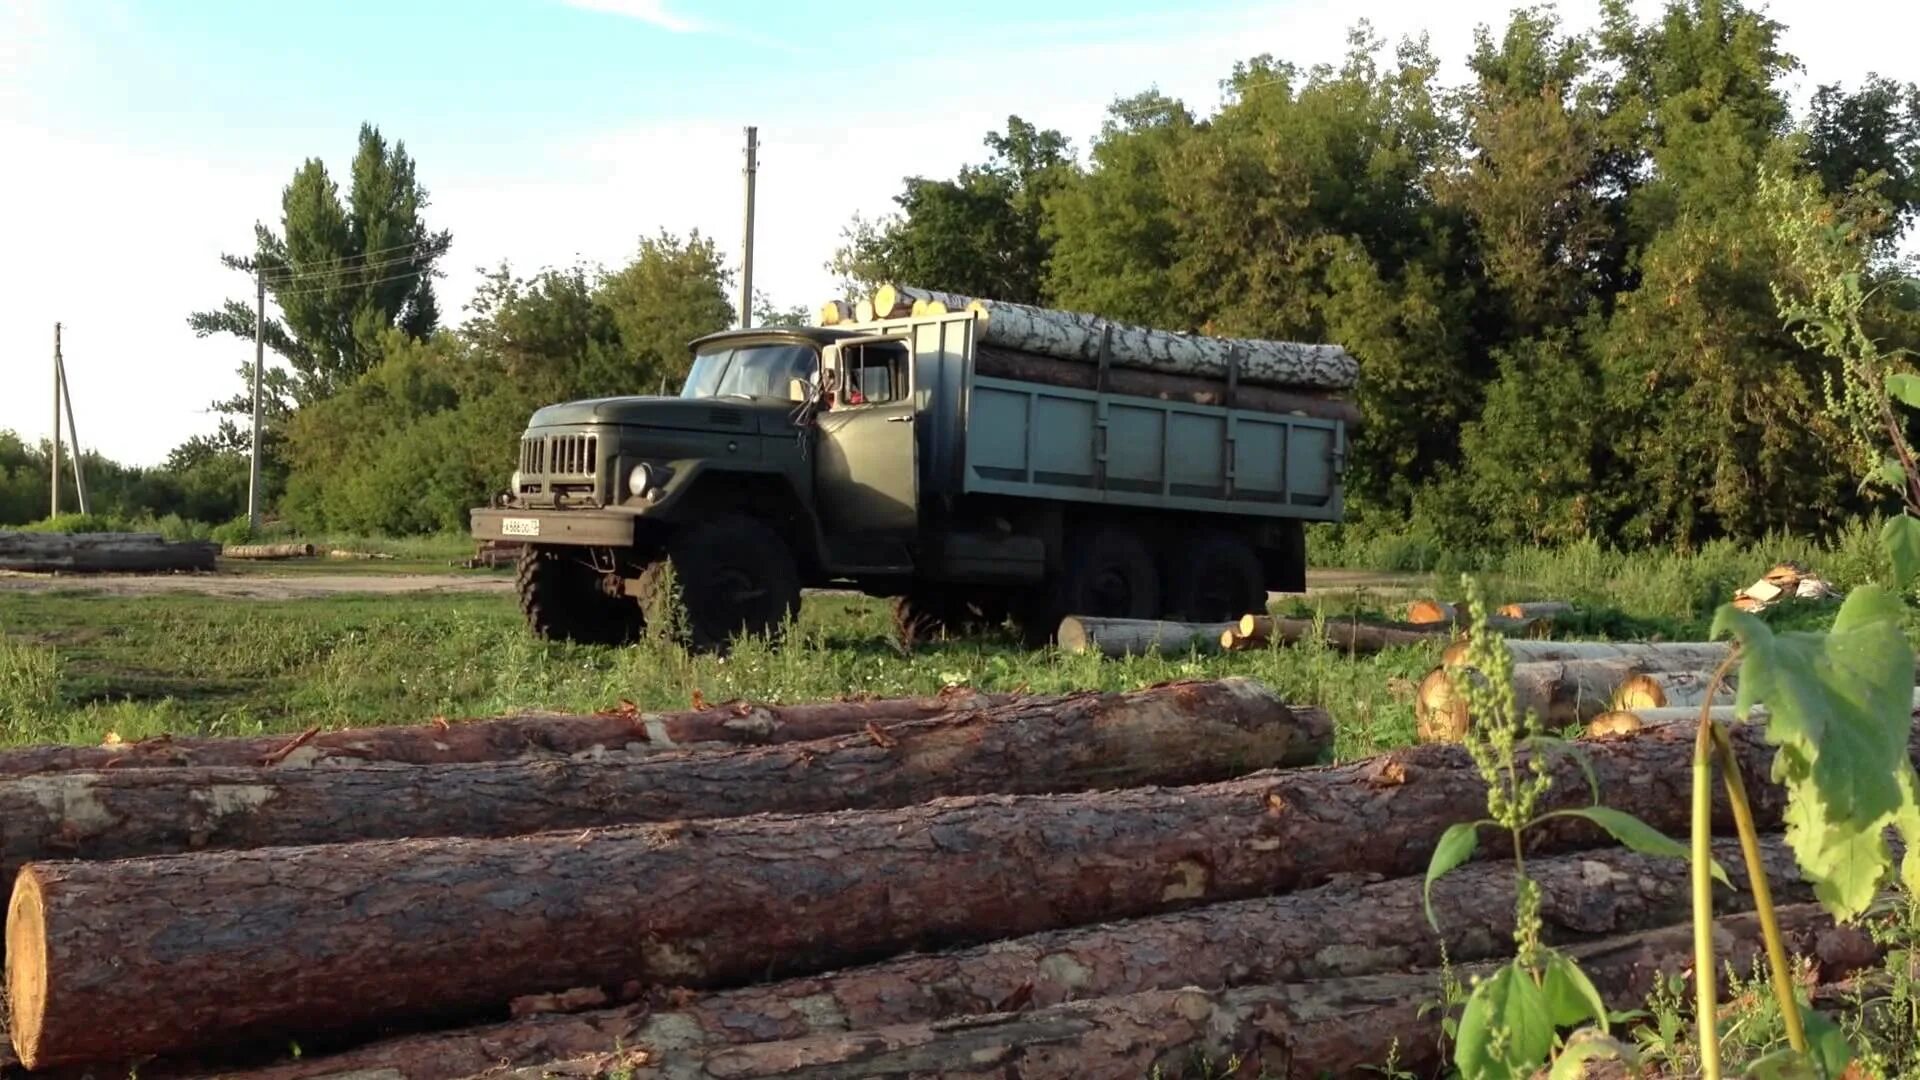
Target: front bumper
(584,527)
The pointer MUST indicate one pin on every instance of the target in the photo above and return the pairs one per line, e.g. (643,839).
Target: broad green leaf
(1637,835)
(1845,862)
(1571,996)
(1901,537)
(1908,822)
(1842,700)
(1891,473)
(1586,1046)
(1505,1001)
(1827,1043)
(1904,387)
(1456,846)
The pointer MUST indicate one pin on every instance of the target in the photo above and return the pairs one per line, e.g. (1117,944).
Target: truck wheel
(1214,578)
(1109,573)
(735,576)
(562,599)
(953,609)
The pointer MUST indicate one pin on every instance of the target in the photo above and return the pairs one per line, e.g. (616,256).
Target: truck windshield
(749,371)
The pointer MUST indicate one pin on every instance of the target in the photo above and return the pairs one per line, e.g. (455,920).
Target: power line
(280,293)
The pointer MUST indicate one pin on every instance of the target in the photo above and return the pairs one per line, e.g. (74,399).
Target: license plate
(520,526)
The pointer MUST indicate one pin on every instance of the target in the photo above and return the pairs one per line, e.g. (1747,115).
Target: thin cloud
(651,12)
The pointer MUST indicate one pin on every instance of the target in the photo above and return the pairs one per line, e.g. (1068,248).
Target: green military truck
(909,459)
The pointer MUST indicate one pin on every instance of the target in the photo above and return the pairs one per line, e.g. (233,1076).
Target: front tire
(732,576)
(563,599)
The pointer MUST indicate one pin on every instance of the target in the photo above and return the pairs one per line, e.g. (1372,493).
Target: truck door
(865,478)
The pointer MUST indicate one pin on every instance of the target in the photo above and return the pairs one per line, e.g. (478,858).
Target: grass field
(76,664)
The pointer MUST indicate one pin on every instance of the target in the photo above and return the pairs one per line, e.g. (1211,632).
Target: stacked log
(1174,734)
(1438,613)
(266,551)
(1003,363)
(220,948)
(1331,932)
(100,553)
(1347,635)
(1626,721)
(1556,694)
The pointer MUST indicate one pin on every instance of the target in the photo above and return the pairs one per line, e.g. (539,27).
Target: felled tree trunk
(267,551)
(1544,609)
(1343,1027)
(93,553)
(1654,690)
(1329,932)
(229,947)
(896,301)
(1346,635)
(1079,634)
(1074,336)
(1648,656)
(508,738)
(1004,363)
(1557,694)
(1174,734)
(1628,721)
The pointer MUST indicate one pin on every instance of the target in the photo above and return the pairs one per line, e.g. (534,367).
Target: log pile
(1084,885)
(104,553)
(1063,348)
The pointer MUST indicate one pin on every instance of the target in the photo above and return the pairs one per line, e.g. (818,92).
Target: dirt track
(296,586)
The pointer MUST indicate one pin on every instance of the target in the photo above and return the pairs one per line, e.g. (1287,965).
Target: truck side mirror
(796,389)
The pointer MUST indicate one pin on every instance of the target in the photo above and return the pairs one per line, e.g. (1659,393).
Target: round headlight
(640,479)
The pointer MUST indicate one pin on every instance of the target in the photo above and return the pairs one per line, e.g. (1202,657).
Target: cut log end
(1616,722)
(1439,715)
(1544,609)
(1426,612)
(1639,692)
(26,965)
(1455,654)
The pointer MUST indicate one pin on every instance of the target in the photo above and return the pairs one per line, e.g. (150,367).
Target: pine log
(897,301)
(1438,613)
(221,948)
(1075,336)
(1649,655)
(1081,634)
(1346,635)
(1334,931)
(1179,733)
(1293,1031)
(835,312)
(516,737)
(266,551)
(93,553)
(1628,721)
(1556,694)
(1001,363)
(1545,609)
(1659,689)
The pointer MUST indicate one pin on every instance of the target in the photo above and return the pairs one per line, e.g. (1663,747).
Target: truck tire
(562,599)
(1215,577)
(1109,572)
(733,575)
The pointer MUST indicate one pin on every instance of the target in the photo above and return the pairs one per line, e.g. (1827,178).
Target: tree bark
(1175,734)
(1075,336)
(1557,694)
(103,553)
(266,551)
(229,947)
(1080,634)
(1650,656)
(1660,689)
(1004,363)
(1343,1027)
(508,738)
(892,301)
(1333,931)
(1545,609)
(1346,635)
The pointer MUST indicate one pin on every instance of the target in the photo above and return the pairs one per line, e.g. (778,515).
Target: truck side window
(875,375)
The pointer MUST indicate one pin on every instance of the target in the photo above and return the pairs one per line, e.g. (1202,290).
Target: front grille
(560,455)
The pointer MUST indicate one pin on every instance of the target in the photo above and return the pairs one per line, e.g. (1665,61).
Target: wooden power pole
(73,432)
(746,245)
(259,362)
(54,509)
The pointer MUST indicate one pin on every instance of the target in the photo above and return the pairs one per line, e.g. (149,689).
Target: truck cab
(878,458)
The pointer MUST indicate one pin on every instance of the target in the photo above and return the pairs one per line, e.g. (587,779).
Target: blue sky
(145,138)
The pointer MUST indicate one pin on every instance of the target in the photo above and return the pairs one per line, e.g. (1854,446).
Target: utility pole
(73,433)
(259,362)
(55,510)
(746,247)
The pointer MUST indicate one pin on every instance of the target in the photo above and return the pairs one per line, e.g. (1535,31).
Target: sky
(141,140)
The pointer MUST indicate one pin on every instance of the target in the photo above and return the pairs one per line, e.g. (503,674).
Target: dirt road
(297,586)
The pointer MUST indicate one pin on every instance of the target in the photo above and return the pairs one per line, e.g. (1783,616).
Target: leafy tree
(341,274)
(1869,136)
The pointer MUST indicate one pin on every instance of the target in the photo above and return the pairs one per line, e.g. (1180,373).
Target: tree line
(1558,275)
